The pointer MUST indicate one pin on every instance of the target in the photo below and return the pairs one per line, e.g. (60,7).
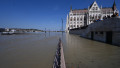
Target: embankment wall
(107,31)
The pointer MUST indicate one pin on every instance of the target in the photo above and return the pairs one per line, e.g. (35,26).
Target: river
(37,50)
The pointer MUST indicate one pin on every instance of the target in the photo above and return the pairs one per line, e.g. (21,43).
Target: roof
(86,10)
(80,11)
(106,9)
(92,4)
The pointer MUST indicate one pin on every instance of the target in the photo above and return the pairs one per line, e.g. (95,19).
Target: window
(71,19)
(96,8)
(77,19)
(84,18)
(94,4)
(99,16)
(96,17)
(77,22)
(92,17)
(74,25)
(93,8)
(71,26)
(74,19)
(81,19)
(77,26)
(74,14)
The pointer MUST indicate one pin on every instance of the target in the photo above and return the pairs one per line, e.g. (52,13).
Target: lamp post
(62,25)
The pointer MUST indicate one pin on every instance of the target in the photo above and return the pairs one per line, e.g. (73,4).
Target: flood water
(37,50)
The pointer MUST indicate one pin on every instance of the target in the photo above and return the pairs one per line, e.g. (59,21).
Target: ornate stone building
(83,17)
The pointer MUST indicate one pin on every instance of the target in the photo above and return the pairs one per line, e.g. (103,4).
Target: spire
(114,6)
(101,6)
(114,3)
(70,8)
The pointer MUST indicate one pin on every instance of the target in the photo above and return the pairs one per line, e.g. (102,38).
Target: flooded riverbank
(37,50)
(85,53)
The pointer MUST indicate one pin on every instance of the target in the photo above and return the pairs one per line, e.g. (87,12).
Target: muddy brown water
(37,50)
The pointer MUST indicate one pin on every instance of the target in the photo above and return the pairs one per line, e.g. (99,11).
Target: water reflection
(84,53)
(37,50)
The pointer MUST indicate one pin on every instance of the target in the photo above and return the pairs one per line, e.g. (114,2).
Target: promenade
(59,61)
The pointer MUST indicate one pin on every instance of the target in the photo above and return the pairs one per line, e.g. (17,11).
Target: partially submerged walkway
(59,61)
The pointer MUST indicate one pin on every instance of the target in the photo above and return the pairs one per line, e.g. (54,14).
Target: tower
(115,11)
(114,6)
(67,24)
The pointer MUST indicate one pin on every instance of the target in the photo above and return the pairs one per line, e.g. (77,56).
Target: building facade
(84,17)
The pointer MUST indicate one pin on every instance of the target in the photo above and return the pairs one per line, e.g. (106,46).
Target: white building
(83,17)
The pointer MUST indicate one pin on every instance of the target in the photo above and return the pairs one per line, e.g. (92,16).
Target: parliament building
(84,17)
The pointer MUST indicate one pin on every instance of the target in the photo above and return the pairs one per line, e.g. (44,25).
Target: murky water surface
(37,50)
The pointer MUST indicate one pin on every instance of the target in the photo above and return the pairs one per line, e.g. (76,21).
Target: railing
(59,61)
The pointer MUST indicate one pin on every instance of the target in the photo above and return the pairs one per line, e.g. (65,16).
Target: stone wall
(116,38)
(102,31)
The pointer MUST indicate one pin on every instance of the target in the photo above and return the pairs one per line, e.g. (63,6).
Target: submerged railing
(59,61)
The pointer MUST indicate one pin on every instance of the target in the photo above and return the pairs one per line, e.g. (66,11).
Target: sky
(41,14)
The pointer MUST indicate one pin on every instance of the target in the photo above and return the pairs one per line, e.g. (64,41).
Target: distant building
(2,29)
(83,17)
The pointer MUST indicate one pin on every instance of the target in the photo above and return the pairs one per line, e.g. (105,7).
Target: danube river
(37,50)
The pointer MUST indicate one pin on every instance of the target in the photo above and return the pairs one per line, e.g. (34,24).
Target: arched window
(99,16)
(74,18)
(81,19)
(96,8)
(71,19)
(93,17)
(74,25)
(77,26)
(94,4)
(77,19)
